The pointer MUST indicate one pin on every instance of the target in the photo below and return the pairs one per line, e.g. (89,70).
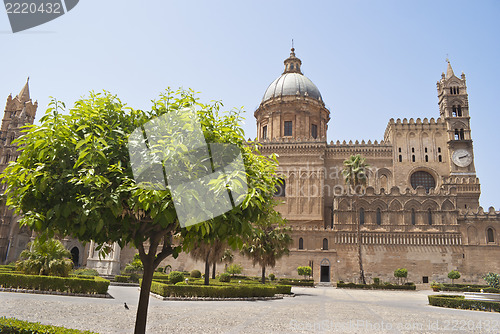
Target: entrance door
(325,270)
(325,274)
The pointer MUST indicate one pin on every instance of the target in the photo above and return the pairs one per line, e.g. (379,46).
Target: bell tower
(454,109)
(19,111)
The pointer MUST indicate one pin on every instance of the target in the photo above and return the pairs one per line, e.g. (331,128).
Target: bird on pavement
(126,306)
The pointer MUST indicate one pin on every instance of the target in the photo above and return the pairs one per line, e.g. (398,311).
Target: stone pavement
(313,310)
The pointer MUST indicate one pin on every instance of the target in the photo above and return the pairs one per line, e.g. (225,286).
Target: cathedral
(419,210)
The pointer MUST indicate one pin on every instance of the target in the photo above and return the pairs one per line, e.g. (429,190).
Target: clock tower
(454,110)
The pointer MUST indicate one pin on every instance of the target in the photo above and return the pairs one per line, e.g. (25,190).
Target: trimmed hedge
(296,282)
(469,289)
(283,289)
(480,286)
(376,286)
(459,302)
(212,291)
(54,283)
(14,326)
(122,278)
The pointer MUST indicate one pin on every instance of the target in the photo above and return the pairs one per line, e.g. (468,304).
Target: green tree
(355,177)
(268,242)
(234,269)
(453,275)
(45,257)
(74,177)
(400,273)
(305,271)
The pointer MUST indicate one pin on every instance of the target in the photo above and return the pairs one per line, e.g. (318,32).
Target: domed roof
(292,84)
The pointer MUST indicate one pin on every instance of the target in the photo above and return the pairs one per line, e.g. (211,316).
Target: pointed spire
(449,70)
(24,94)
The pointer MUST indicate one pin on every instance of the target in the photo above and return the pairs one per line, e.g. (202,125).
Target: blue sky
(371,60)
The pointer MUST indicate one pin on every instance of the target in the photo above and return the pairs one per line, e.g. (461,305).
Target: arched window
(280,188)
(491,235)
(264,132)
(314,131)
(413,217)
(462,134)
(288,128)
(400,158)
(451,90)
(429,216)
(379,217)
(361,216)
(423,179)
(426,158)
(325,244)
(454,111)
(301,243)
(459,112)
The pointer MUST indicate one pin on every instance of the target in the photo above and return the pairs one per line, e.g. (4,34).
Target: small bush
(14,326)
(459,302)
(195,273)
(400,273)
(453,275)
(224,277)
(181,283)
(175,276)
(272,277)
(305,271)
(234,269)
(376,281)
(493,280)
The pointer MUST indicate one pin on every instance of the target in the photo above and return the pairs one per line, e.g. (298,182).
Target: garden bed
(219,291)
(459,302)
(67,285)
(406,286)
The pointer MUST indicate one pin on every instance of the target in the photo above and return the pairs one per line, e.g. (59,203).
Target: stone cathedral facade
(420,209)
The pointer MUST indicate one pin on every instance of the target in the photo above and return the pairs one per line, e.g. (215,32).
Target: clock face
(462,157)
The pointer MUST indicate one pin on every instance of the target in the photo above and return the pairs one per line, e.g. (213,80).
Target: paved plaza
(312,310)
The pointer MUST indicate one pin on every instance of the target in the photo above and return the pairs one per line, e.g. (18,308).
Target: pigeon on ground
(126,306)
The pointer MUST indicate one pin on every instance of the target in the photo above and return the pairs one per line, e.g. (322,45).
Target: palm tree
(45,257)
(210,253)
(268,242)
(355,177)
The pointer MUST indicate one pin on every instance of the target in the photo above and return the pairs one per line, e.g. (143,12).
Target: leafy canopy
(74,175)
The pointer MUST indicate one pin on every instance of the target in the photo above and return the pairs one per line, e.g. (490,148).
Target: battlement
(481,214)
(396,192)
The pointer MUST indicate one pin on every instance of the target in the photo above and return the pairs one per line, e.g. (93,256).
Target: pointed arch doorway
(325,270)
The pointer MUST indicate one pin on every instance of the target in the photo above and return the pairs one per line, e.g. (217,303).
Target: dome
(292,84)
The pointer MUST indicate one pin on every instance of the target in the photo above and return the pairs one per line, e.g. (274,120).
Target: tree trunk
(142,309)
(358,230)
(213,270)
(207,270)
(263,280)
